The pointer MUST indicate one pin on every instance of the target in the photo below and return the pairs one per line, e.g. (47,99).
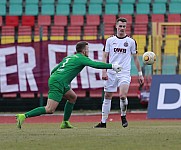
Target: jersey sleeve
(134,47)
(95,64)
(107,47)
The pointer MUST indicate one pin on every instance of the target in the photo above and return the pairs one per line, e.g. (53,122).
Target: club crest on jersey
(126,44)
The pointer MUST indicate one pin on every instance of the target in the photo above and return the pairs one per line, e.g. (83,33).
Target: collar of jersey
(122,37)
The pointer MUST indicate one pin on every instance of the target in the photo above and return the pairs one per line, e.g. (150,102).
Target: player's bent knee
(73,99)
(49,110)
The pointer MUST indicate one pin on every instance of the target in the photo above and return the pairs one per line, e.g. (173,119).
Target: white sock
(123,106)
(106,107)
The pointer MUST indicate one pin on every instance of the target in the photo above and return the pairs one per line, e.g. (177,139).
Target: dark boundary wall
(26,104)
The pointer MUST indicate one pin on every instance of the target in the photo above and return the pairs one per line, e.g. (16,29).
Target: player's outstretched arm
(101,65)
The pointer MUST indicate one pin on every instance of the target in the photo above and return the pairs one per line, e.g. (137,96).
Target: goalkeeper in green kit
(59,84)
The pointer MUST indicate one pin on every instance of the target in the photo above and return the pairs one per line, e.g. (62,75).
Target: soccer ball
(149,58)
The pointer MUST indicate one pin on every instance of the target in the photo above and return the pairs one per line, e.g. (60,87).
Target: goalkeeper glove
(116,67)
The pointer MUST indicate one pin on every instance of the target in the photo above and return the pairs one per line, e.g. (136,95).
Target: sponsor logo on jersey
(120,50)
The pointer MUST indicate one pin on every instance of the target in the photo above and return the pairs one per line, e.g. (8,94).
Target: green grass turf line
(140,135)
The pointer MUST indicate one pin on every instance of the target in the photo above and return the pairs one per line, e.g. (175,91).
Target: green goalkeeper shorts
(57,89)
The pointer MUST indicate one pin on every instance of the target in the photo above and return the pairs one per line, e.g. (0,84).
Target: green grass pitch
(140,135)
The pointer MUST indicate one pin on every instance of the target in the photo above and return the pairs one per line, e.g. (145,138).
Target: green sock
(35,112)
(68,110)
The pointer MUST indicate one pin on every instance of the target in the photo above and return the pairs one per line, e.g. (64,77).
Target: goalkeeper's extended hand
(116,67)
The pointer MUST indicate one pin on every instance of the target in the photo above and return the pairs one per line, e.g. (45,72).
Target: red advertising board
(27,67)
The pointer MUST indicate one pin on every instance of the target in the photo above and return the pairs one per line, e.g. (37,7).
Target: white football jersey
(120,51)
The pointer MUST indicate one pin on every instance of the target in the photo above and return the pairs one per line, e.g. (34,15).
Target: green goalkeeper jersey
(70,66)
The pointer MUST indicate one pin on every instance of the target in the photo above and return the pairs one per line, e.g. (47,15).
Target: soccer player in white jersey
(120,49)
